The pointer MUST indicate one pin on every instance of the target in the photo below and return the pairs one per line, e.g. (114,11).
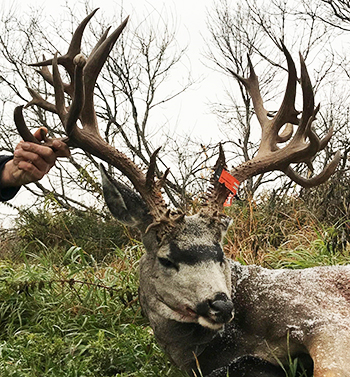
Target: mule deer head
(198,302)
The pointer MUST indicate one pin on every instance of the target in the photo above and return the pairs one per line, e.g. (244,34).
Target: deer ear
(124,203)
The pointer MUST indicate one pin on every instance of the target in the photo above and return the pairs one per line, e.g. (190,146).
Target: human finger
(44,152)
(61,149)
(34,158)
(40,133)
(30,172)
(19,145)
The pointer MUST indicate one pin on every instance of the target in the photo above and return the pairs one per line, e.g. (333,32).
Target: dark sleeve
(6,193)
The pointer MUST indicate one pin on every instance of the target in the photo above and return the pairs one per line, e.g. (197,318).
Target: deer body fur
(277,314)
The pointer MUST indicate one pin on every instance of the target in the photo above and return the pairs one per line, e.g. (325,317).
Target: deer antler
(83,74)
(301,146)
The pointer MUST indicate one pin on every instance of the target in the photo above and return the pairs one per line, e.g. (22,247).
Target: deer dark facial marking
(196,254)
(202,307)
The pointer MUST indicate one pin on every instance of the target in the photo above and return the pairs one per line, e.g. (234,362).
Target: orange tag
(229,181)
(229,200)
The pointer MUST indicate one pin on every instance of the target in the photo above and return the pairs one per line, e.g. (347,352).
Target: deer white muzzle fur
(205,310)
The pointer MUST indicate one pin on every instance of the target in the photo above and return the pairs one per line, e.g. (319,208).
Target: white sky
(190,111)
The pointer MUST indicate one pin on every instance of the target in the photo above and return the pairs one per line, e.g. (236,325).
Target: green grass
(320,252)
(76,319)
(69,288)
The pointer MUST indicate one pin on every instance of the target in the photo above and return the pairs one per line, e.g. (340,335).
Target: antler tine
(75,45)
(308,93)
(22,127)
(308,102)
(74,48)
(217,193)
(38,100)
(156,186)
(93,68)
(102,39)
(152,168)
(221,161)
(287,112)
(324,141)
(286,115)
(45,73)
(26,134)
(101,51)
(252,85)
(162,179)
(59,90)
(317,179)
(78,98)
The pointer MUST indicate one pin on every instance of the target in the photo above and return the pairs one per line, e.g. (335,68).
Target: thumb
(40,133)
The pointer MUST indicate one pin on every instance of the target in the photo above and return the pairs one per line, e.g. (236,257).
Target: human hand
(32,161)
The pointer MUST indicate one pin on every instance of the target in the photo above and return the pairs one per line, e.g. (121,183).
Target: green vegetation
(69,286)
(75,319)
(67,312)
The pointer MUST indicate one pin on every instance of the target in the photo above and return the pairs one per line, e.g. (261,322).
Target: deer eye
(167,263)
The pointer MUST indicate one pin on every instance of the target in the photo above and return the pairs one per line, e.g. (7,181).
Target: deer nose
(219,309)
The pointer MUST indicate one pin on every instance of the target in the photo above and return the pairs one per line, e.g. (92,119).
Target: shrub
(266,224)
(57,230)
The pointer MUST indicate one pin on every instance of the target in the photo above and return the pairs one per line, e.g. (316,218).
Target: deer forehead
(196,241)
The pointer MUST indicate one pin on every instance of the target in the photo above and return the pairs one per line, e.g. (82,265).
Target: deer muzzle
(218,310)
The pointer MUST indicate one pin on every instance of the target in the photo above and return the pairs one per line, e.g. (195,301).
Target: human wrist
(6,178)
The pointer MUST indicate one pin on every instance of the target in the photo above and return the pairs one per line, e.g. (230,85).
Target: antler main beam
(83,73)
